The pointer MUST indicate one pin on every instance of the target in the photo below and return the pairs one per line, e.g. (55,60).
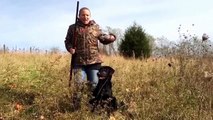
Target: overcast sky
(44,23)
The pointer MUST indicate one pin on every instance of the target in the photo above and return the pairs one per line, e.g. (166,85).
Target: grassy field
(35,86)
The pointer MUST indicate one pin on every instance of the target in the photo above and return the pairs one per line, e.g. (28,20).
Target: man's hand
(72,51)
(112,37)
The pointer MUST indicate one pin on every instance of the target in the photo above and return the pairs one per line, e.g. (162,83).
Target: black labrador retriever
(102,94)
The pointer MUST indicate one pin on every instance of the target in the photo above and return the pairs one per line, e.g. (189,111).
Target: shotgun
(74,43)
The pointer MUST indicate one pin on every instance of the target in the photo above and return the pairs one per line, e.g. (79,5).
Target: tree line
(136,43)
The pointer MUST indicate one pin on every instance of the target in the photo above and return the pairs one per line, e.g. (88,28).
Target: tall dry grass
(35,86)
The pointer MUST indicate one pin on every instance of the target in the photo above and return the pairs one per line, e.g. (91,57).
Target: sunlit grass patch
(35,86)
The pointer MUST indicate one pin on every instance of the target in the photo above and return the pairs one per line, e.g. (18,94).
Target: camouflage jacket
(86,48)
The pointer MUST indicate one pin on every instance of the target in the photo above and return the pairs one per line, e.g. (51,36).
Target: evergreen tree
(135,43)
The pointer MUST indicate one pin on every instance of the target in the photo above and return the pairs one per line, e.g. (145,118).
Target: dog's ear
(111,70)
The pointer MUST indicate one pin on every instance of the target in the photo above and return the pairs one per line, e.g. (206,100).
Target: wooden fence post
(4,48)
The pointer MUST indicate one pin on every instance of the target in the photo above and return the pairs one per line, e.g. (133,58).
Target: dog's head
(105,72)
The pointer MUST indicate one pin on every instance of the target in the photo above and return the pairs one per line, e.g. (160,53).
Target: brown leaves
(205,37)
(18,107)
(12,85)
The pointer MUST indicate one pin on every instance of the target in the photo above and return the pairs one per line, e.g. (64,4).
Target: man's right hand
(72,51)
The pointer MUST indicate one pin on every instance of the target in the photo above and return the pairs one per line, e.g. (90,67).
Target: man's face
(84,16)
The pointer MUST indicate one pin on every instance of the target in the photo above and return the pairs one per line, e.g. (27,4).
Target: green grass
(150,89)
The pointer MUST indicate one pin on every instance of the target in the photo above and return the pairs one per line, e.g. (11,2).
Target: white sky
(44,23)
